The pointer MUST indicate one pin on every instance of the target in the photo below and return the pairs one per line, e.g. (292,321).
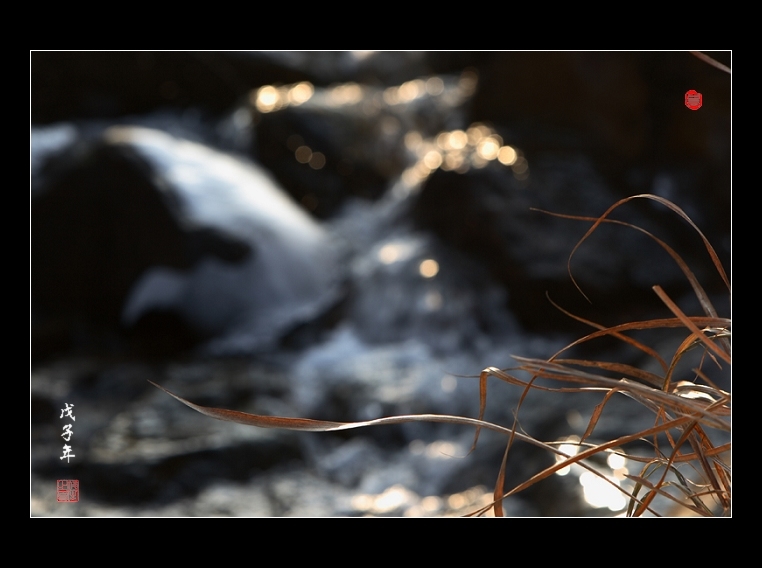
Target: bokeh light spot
(301,93)
(507,156)
(317,161)
(267,99)
(303,154)
(429,268)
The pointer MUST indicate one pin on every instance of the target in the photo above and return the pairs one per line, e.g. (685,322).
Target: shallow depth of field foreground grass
(686,471)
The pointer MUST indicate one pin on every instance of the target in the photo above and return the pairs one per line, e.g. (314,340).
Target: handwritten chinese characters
(68,432)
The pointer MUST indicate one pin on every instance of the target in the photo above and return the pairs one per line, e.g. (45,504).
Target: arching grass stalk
(685,411)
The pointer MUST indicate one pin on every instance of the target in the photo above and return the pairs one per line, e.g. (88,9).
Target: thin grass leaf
(578,458)
(685,487)
(725,481)
(621,368)
(638,345)
(702,444)
(651,463)
(483,376)
(698,507)
(681,405)
(690,325)
(705,393)
(678,404)
(689,426)
(667,203)
(499,488)
(688,344)
(682,458)
(615,331)
(683,484)
(597,414)
(309,425)
(695,284)
(713,62)
(500,483)
(709,382)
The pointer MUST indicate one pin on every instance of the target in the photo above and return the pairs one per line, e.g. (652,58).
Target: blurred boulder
(140,226)
(67,85)
(625,107)
(497,219)
(626,110)
(326,145)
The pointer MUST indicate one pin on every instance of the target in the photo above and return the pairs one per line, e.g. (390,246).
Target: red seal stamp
(67,490)
(693,100)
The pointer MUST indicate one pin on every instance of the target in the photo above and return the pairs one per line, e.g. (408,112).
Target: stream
(342,250)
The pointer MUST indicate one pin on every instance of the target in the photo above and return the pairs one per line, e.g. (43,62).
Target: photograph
(380,284)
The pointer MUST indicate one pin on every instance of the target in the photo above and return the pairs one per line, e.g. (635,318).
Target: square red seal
(67,491)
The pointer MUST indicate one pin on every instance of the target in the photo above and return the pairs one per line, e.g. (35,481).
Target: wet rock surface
(349,140)
(144,223)
(507,225)
(328,293)
(68,85)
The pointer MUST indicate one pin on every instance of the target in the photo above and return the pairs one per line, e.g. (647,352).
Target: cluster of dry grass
(685,411)
(684,466)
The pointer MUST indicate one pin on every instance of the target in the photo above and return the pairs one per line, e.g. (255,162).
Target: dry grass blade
(697,288)
(715,389)
(621,368)
(595,450)
(616,331)
(690,325)
(654,491)
(300,424)
(689,343)
(681,458)
(483,376)
(684,411)
(698,507)
(637,344)
(597,411)
(643,393)
(308,425)
(713,62)
(500,484)
(701,443)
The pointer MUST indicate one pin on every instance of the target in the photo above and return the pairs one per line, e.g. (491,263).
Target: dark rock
(488,214)
(369,67)
(349,140)
(343,171)
(625,107)
(141,223)
(100,224)
(626,111)
(67,85)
